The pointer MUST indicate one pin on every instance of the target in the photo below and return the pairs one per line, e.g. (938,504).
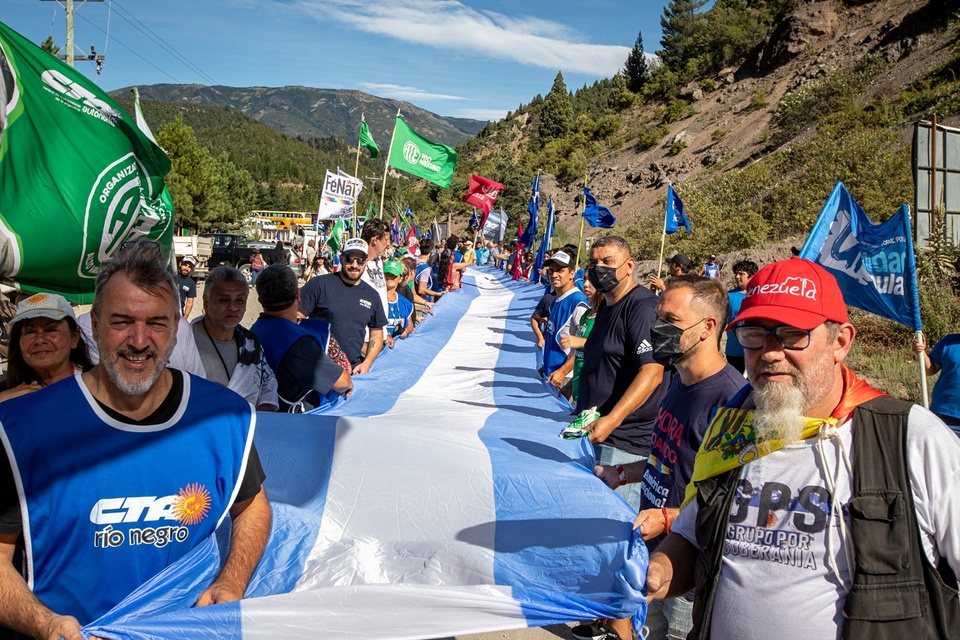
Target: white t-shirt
(374,276)
(784,572)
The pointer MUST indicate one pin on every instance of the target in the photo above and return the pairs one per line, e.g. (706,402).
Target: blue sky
(465,58)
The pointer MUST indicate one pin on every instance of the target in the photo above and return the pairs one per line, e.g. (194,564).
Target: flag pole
(387,164)
(923,370)
(663,237)
(582,219)
(356,170)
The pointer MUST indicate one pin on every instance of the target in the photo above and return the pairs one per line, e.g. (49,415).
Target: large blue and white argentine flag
(874,264)
(439,500)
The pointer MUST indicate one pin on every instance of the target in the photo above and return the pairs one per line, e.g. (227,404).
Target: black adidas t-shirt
(10,517)
(618,346)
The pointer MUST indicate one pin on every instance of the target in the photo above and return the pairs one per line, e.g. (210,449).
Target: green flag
(336,236)
(78,178)
(366,140)
(415,154)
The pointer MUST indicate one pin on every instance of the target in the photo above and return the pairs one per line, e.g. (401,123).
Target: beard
(140,386)
(781,406)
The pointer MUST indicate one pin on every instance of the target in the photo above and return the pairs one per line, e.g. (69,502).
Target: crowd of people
(759,464)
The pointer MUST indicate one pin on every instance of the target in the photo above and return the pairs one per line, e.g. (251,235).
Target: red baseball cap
(797,292)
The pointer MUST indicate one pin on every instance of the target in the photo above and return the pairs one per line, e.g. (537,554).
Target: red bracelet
(621,474)
(666,519)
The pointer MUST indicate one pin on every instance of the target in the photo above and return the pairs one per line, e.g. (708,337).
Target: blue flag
(675,215)
(874,264)
(595,214)
(408,213)
(529,237)
(545,242)
(474,221)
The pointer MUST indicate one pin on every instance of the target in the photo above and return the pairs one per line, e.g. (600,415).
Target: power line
(95,26)
(148,32)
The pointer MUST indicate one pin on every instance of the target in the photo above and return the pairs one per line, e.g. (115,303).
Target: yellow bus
(286,219)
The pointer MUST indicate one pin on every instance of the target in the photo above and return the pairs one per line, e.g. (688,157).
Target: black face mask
(666,342)
(604,279)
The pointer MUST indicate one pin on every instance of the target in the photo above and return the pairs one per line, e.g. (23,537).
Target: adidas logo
(644,348)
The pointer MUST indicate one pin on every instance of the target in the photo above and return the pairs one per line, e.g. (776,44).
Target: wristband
(621,474)
(666,519)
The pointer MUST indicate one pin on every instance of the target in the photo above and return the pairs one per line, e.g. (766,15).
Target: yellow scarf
(731,441)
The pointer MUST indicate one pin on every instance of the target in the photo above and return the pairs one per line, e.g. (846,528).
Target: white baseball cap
(43,305)
(355,244)
(189,260)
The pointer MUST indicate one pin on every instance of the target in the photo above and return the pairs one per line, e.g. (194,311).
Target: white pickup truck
(199,247)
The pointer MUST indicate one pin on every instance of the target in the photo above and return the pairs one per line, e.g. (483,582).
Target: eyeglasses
(354,259)
(790,338)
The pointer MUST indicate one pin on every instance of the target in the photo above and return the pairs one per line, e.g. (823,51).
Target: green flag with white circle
(418,156)
(78,177)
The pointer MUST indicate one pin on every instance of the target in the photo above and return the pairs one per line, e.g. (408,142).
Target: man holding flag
(818,503)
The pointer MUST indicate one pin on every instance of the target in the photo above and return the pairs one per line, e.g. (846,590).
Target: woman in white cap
(45,345)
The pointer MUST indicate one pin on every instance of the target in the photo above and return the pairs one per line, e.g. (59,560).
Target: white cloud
(481,114)
(400,92)
(450,25)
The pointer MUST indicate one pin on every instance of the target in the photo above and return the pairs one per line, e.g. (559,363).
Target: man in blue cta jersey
(565,314)
(134,466)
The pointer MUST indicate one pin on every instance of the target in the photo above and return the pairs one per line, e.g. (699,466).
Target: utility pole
(71,48)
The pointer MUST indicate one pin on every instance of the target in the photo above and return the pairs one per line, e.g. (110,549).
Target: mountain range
(307,112)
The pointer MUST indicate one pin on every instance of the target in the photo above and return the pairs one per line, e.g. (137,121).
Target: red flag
(481,193)
(518,259)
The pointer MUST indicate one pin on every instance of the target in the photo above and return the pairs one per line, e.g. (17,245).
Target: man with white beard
(819,507)
(112,475)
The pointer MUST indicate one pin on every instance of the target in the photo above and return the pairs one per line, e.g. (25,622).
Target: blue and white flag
(874,264)
(419,509)
(474,221)
(675,215)
(545,241)
(595,214)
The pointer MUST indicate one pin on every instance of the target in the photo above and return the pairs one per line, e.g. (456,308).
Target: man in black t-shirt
(619,375)
(351,306)
(691,315)
(187,285)
(130,391)
(305,374)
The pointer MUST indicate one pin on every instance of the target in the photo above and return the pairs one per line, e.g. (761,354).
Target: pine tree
(636,68)
(682,26)
(556,116)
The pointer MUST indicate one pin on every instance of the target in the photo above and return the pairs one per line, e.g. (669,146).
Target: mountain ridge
(310,112)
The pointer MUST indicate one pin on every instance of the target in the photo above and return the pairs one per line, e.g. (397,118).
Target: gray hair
(223,274)
(144,267)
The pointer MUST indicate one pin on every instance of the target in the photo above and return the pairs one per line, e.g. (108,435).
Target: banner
(675,215)
(595,214)
(418,156)
(495,226)
(488,527)
(874,264)
(339,198)
(481,193)
(78,177)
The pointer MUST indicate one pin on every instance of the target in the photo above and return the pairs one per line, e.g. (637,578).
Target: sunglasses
(790,338)
(354,259)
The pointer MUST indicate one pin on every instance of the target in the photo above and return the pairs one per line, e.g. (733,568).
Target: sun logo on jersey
(191,504)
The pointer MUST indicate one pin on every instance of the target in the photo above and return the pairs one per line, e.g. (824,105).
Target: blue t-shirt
(350,310)
(619,345)
(681,422)
(398,315)
(945,399)
(736,297)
